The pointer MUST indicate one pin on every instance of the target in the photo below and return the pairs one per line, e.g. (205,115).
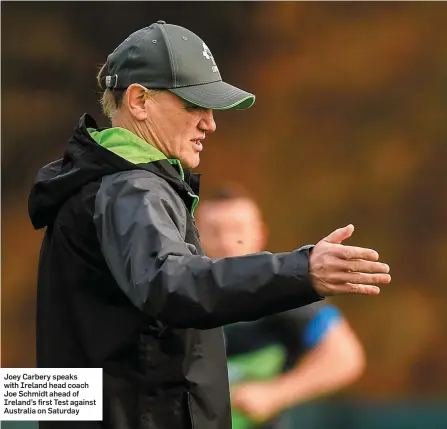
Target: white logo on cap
(209,56)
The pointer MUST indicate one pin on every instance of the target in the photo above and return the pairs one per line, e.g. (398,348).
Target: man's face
(177,128)
(230,228)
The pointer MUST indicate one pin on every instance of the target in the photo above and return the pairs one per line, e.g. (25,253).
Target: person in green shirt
(284,359)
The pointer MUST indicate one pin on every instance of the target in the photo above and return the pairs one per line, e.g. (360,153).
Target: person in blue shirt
(284,359)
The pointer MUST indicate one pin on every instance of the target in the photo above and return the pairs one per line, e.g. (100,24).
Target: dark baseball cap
(166,56)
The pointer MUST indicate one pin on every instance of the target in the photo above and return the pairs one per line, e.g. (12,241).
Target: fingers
(340,234)
(357,289)
(354,252)
(362,266)
(362,278)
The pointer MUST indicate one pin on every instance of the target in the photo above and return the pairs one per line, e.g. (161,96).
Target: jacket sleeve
(140,222)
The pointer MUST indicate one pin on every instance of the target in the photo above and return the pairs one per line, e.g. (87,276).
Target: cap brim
(216,95)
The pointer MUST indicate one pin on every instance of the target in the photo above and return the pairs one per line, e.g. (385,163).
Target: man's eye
(191,107)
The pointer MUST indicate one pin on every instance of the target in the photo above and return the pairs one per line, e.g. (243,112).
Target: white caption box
(51,394)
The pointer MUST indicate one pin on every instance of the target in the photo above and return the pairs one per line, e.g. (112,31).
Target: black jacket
(123,285)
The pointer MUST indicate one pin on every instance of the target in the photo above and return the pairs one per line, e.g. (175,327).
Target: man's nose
(207,123)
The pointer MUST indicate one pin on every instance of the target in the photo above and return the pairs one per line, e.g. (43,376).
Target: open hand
(339,269)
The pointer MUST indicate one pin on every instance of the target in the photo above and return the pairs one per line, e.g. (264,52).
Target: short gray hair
(112,99)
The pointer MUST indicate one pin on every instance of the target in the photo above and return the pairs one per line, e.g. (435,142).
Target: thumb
(340,234)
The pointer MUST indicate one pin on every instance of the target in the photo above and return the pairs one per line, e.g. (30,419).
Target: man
(123,284)
(283,359)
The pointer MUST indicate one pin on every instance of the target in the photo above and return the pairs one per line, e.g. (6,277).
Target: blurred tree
(348,127)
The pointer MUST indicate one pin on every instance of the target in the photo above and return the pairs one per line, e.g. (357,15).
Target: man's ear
(135,101)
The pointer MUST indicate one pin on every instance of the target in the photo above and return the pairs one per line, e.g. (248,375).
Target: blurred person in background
(284,359)
(123,283)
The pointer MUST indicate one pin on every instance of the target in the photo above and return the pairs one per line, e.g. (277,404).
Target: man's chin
(191,162)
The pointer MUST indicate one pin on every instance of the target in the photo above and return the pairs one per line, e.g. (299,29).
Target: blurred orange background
(349,127)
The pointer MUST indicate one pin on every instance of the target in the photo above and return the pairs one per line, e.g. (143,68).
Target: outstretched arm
(140,223)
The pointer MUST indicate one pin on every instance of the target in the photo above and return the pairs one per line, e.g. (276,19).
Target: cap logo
(209,56)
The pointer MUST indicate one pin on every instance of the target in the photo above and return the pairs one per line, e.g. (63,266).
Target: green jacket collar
(132,148)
